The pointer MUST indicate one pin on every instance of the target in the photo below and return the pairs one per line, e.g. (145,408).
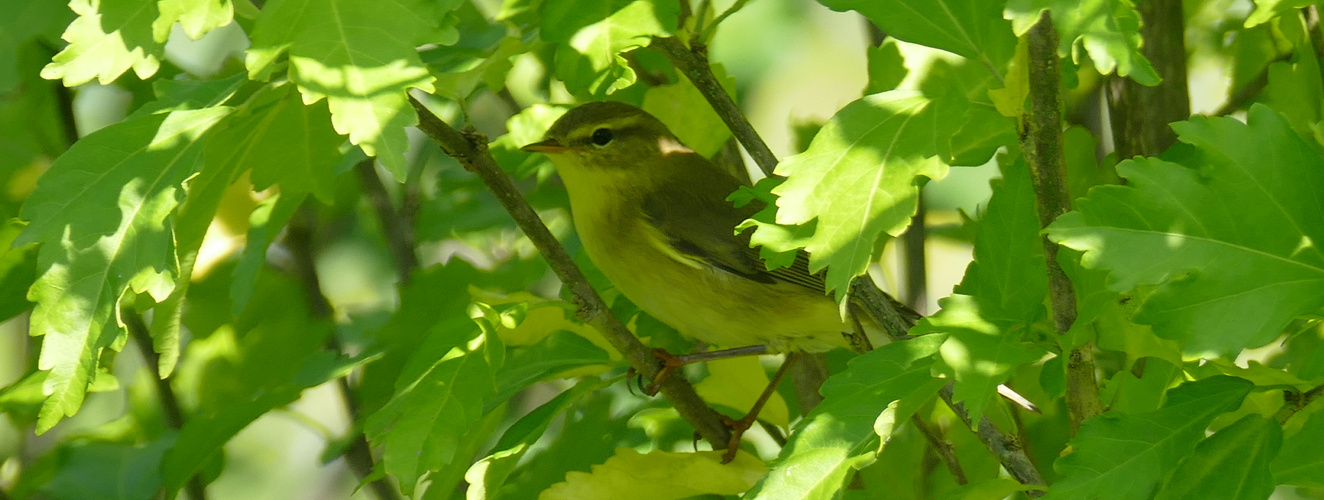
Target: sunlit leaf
(659,475)
(858,179)
(340,50)
(1109,30)
(92,253)
(971,28)
(589,38)
(838,435)
(1228,279)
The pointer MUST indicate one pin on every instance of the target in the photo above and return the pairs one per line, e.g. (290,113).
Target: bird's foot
(738,428)
(669,364)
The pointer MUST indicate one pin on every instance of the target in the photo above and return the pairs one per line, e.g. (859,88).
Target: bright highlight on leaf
(659,475)
(339,52)
(1227,279)
(590,36)
(838,436)
(999,299)
(112,36)
(104,233)
(1109,30)
(859,179)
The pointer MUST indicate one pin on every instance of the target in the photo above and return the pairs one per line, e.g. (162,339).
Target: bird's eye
(602,136)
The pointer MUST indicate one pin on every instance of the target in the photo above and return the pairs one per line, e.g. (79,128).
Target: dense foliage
(230,265)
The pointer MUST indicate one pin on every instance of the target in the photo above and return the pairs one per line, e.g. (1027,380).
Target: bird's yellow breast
(697,299)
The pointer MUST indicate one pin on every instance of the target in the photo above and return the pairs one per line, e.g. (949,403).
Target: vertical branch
(470,149)
(299,239)
(170,409)
(1042,146)
(397,230)
(694,64)
(1140,115)
(1316,37)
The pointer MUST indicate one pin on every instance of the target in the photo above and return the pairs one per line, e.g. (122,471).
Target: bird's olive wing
(698,222)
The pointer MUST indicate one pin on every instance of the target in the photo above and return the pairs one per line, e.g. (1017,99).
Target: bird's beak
(546,146)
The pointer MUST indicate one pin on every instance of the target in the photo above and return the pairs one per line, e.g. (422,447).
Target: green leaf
(1232,464)
(858,179)
(486,476)
(273,135)
(1227,279)
(1109,30)
(838,435)
(108,38)
(440,393)
(559,355)
(992,489)
(886,67)
(267,221)
(589,38)
(659,475)
(203,437)
(1117,456)
(974,29)
(284,142)
(197,17)
(107,471)
(20,22)
(686,112)
(338,50)
(1267,10)
(1294,87)
(1299,462)
(18,269)
(778,243)
(1000,297)
(93,253)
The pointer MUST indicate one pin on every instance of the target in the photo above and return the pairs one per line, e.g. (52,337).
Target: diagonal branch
(694,64)
(470,148)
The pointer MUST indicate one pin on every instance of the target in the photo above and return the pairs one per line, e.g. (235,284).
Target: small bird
(653,216)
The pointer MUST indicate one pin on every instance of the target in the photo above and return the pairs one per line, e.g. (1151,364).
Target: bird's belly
(717,307)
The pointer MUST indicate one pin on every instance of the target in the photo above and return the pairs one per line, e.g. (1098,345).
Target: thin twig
(1243,96)
(1296,402)
(399,237)
(170,409)
(299,240)
(470,148)
(1006,448)
(693,62)
(1042,146)
(941,447)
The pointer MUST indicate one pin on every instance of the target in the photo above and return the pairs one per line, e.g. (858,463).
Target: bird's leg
(670,362)
(738,427)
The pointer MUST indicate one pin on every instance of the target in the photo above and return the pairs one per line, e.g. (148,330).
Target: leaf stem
(1041,145)
(693,62)
(470,149)
(170,409)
